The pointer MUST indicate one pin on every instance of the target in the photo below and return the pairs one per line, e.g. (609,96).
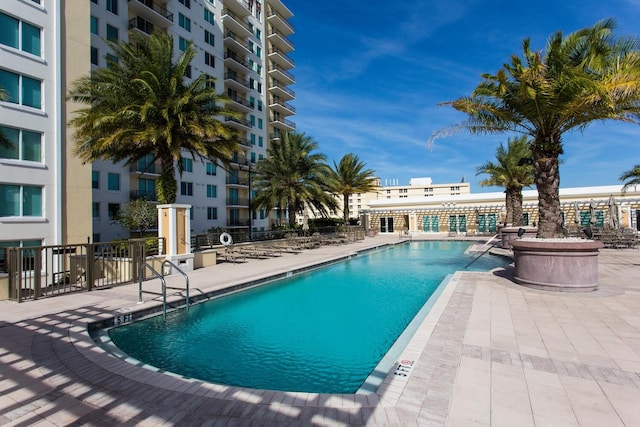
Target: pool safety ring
(226,239)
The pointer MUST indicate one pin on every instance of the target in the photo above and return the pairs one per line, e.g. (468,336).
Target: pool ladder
(484,252)
(164,284)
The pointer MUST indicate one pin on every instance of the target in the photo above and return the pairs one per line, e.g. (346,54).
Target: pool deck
(490,352)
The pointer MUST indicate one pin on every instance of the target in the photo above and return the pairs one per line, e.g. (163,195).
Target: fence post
(14,264)
(37,272)
(89,266)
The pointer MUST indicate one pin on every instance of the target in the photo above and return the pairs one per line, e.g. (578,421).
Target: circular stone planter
(564,265)
(510,233)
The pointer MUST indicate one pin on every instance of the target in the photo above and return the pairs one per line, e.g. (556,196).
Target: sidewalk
(489,353)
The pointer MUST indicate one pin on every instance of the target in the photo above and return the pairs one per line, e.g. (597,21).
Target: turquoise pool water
(322,331)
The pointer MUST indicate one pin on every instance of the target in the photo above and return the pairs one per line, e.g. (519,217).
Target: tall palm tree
(630,177)
(348,177)
(293,176)
(141,104)
(512,172)
(586,76)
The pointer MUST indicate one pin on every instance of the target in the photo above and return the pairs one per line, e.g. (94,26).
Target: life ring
(226,239)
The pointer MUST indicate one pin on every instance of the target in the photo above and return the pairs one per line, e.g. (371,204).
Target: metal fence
(201,242)
(45,271)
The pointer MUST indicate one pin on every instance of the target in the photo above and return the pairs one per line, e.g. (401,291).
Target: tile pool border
(388,392)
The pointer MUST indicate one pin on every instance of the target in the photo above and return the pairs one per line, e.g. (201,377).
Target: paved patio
(489,353)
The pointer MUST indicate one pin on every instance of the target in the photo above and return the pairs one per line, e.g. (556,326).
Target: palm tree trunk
(508,201)
(291,208)
(345,208)
(516,207)
(547,179)
(167,187)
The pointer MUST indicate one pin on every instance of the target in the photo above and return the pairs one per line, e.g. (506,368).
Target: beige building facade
(481,213)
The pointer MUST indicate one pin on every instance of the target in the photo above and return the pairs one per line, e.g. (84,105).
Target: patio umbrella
(613,213)
(576,213)
(592,213)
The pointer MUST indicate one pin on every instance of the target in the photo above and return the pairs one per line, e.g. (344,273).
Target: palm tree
(586,76)
(630,177)
(512,171)
(348,177)
(293,176)
(140,104)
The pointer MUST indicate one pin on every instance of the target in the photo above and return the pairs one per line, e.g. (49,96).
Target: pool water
(323,331)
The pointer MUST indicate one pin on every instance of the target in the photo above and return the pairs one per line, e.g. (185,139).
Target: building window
(253,157)
(94,25)
(20,200)
(113,181)
(186,188)
(212,213)
(112,60)
(186,3)
(25,145)
(258,51)
(95,180)
(21,89)
(209,59)
(187,164)
(209,17)
(209,38)
(95,210)
(112,33)
(20,35)
(112,6)
(260,124)
(252,120)
(253,139)
(259,105)
(260,141)
(212,191)
(258,34)
(182,44)
(94,55)
(187,72)
(184,22)
(112,210)
(211,168)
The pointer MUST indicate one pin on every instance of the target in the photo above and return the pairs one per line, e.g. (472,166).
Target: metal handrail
(164,284)
(186,278)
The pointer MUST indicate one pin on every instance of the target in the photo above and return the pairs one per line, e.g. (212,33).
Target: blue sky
(370,75)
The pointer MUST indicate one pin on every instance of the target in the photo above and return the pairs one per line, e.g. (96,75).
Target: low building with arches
(482,213)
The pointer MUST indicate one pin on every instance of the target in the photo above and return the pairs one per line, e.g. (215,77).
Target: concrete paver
(489,353)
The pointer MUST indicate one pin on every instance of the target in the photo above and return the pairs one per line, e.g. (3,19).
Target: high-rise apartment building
(244,45)
(45,191)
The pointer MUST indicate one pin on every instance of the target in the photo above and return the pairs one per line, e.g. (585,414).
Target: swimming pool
(321,331)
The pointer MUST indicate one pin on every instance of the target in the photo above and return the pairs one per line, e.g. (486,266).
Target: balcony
(238,7)
(237,181)
(233,40)
(235,23)
(141,24)
(279,40)
(149,196)
(238,222)
(152,169)
(240,104)
(281,75)
(238,201)
(234,61)
(281,58)
(152,12)
(279,21)
(237,123)
(237,82)
(281,91)
(281,107)
(282,123)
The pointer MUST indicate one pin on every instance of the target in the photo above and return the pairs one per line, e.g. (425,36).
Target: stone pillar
(174,224)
